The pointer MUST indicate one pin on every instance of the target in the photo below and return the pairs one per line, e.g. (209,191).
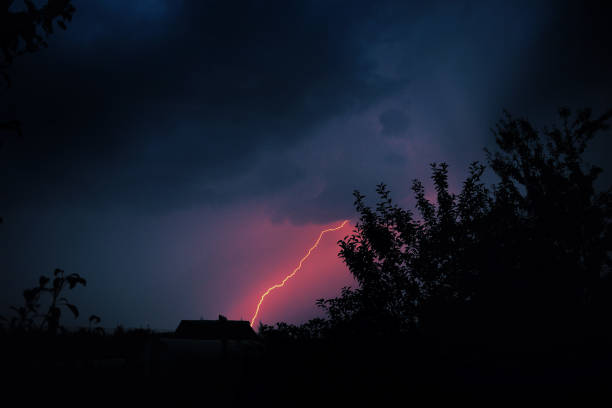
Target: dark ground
(84,368)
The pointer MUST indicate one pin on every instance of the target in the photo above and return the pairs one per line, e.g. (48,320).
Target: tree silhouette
(530,251)
(409,267)
(552,228)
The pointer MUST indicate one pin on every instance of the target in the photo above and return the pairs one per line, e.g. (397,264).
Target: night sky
(182,156)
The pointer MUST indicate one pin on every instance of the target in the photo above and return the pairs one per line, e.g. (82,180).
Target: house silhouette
(221,329)
(225,347)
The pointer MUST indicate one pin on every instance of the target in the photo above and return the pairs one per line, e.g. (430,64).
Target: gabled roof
(215,330)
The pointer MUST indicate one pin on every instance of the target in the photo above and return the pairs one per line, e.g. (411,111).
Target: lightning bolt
(292,274)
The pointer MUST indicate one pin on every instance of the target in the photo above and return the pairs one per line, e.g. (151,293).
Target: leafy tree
(410,266)
(529,250)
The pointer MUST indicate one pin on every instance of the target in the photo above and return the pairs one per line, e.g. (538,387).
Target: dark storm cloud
(394,122)
(567,62)
(155,103)
(160,104)
(156,109)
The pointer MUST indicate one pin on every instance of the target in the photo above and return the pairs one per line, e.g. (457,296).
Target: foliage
(562,224)
(409,266)
(284,332)
(25,31)
(530,249)
(94,327)
(29,316)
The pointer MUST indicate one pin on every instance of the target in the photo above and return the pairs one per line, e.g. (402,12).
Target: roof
(215,330)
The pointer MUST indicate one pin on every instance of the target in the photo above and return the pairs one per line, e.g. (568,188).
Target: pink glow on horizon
(297,269)
(276,251)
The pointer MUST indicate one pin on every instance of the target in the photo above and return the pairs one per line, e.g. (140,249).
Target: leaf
(43,281)
(58,271)
(73,309)
(74,279)
(94,319)
(31,294)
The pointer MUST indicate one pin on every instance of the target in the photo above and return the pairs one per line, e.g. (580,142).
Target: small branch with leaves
(29,317)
